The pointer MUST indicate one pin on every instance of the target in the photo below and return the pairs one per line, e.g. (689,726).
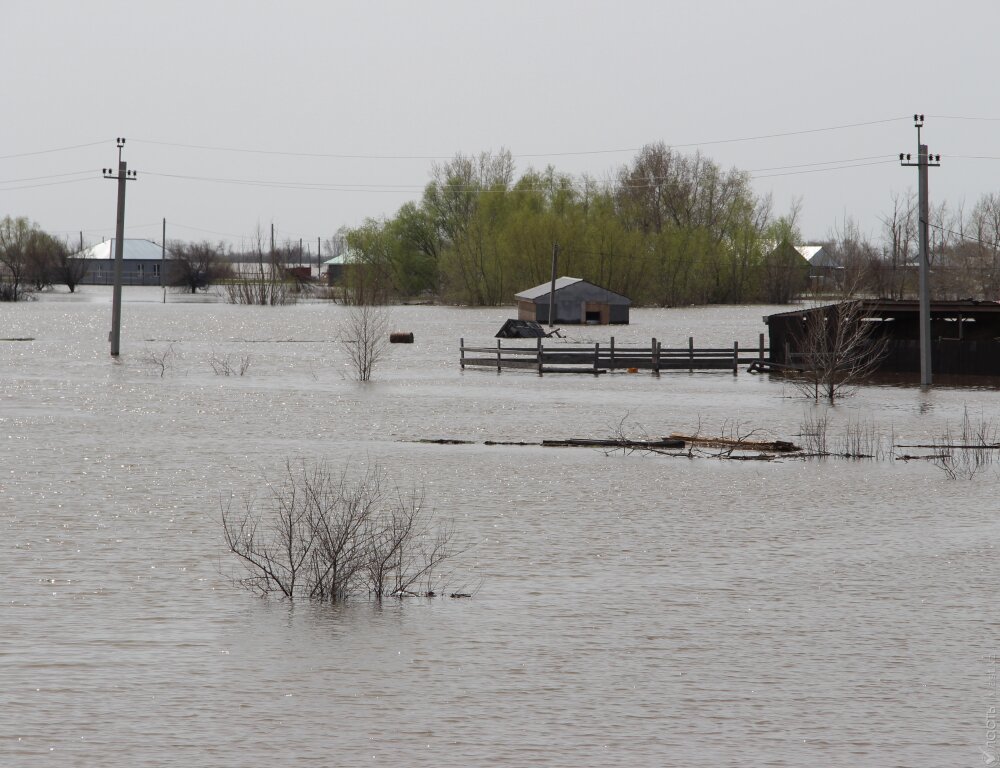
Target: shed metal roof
(543,290)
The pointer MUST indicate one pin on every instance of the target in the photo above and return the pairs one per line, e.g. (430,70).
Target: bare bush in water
(365,336)
(229,365)
(838,347)
(964,455)
(324,535)
(159,360)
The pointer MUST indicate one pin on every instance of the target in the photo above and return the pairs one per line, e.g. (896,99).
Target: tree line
(665,229)
(32,260)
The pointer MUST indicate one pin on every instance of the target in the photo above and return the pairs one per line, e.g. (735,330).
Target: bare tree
(892,280)
(329,537)
(195,266)
(365,336)
(837,347)
(260,279)
(856,255)
(70,269)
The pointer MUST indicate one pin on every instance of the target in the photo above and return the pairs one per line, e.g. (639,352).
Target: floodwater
(629,609)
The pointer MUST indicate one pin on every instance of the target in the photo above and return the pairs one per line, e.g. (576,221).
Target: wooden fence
(598,358)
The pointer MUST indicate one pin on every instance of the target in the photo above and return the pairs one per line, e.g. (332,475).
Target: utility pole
(319,259)
(122,176)
(272,241)
(163,261)
(552,288)
(924,161)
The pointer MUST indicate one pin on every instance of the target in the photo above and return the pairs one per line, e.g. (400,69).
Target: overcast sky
(319,113)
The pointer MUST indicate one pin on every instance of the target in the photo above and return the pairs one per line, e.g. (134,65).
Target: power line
(821,170)
(55,149)
(347,156)
(973,119)
(966,238)
(48,184)
(831,165)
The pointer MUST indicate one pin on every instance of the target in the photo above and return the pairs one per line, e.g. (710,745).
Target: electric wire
(347,156)
(761,173)
(964,237)
(54,149)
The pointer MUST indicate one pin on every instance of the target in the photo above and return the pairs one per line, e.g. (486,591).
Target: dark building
(577,302)
(965,335)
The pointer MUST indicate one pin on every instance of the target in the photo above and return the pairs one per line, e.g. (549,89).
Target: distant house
(577,302)
(336,268)
(142,261)
(825,271)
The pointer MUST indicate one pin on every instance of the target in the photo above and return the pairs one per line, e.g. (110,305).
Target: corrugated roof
(543,290)
(136,249)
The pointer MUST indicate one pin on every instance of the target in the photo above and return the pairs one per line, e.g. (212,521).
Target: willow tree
(690,209)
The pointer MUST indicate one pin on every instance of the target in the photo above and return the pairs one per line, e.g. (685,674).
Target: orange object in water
(633,370)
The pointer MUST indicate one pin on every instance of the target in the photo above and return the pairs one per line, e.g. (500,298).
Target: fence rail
(598,358)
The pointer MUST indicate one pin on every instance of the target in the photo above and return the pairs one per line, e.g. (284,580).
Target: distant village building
(142,261)
(577,302)
(825,272)
(336,268)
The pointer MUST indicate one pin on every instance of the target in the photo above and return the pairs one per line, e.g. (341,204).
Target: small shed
(577,302)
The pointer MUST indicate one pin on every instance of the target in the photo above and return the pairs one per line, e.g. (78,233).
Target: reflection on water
(631,610)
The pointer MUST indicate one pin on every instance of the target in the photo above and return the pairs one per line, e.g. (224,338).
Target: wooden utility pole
(163,261)
(552,288)
(924,161)
(122,176)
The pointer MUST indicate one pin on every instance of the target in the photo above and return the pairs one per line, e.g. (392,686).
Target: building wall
(134,272)
(573,304)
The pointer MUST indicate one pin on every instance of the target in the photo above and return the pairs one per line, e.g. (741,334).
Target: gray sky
(376,91)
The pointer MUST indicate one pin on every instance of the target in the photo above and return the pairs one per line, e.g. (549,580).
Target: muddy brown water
(629,609)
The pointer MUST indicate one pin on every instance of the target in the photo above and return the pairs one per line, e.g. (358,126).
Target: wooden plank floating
(674,442)
(570,442)
(640,445)
(772,446)
(598,359)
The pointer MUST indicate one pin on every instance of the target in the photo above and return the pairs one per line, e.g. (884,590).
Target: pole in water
(924,161)
(121,177)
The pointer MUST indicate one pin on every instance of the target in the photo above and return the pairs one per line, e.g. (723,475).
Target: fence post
(690,354)
(461,352)
(612,364)
(736,357)
(597,357)
(659,350)
(498,355)
(538,355)
(652,355)
(760,355)
(788,354)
